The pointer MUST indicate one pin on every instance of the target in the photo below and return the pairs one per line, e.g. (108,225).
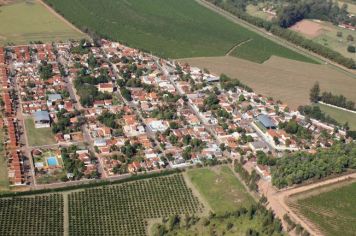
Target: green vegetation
(169,28)
(26,21)
(301,166)
(4,179)
(39,215)
(225,191)
(255,220)
(332,211)
(340,116)
(38,137)
(122,209)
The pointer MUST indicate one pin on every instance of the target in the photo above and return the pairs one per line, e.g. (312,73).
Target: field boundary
(277,39)
(60,17)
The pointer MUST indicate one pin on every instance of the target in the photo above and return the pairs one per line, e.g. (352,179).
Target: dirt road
(277,200)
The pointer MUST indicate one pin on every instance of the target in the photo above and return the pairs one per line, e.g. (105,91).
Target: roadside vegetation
(168,28)
(22,22)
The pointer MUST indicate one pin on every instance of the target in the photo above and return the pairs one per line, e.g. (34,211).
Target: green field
(220,187)
(332,211)
(26,21)
(40,215)
(169,28)
(4,179)
(340,115)
(38,137)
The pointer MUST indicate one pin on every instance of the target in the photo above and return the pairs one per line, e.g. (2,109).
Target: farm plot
(123,209)
(168,28)
(220,187)
(24,21)
(339,115)
(39,215)
(332,211)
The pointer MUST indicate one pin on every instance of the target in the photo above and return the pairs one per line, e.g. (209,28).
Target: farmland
(124,208)
(38,137)
(325,33)
(286,80)
(24,21)
(169,28)
(225,192)
(330,208)
(340,115)
(40,215)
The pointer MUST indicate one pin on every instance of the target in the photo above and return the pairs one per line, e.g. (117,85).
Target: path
(277,200)
(65,214)
(236,46)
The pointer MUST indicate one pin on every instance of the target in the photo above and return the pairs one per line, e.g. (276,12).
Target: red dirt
(308,28)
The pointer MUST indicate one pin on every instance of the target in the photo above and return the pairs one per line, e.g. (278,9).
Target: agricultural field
(325,33)
(350,7)
(340,115)
(124,209)
(38,137)
(24,21)
(38,215)
(331,209)
(225,191)
(170,28)
(282,79)
(4,181)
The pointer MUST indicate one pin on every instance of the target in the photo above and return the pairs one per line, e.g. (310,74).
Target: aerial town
(113,110)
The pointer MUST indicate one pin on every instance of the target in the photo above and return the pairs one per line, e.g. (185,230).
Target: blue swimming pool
(52,161)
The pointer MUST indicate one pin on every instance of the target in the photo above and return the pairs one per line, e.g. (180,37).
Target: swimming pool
(52,161)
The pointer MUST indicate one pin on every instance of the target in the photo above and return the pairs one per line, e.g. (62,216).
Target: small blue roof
(266,121)
(41,116)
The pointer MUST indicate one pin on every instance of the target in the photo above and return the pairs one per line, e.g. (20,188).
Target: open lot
(340,115)
(168,28)
(38,137)
(224,192)
(330,208)
(4,181)
(24,21)
(257,12)
(286,80)
(325,33)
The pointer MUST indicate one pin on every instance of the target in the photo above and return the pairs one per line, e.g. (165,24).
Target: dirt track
(278,200)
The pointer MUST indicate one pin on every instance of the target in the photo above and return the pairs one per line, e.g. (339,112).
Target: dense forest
(299,167)
(237,8)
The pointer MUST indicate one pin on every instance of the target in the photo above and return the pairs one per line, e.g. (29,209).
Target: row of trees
(287,34)
(329,98)
(301,166)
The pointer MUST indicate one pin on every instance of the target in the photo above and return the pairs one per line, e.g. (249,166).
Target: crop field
(285,80)
(168,28)
(38,137)
(24,21)
(340,115)
(224,192)
(122,209)
(331,211)
(40,215)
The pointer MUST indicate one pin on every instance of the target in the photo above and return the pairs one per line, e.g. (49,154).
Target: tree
(351,49)
(350,38)
(315,93)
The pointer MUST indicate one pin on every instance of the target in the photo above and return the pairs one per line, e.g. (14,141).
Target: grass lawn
(255,11)
(26,21)
(340,115)
(38,137)
(333,211)
(168,28)
(220,187)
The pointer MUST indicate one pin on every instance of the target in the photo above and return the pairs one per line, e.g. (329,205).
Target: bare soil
(287,80)
(308,28)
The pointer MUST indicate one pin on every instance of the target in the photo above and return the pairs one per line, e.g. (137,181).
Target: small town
(75,111)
